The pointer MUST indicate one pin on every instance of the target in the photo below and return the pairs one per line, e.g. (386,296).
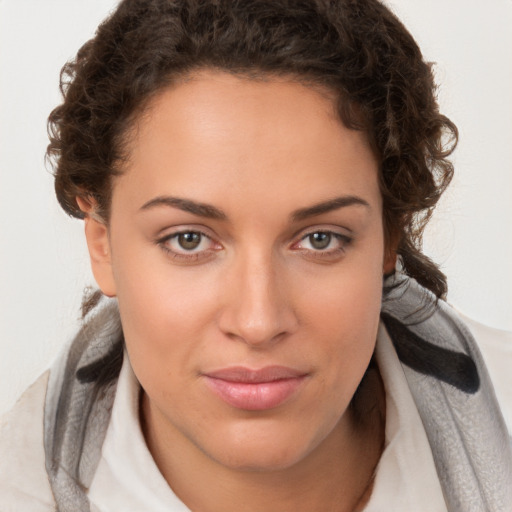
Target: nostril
(257,307)
(258,326)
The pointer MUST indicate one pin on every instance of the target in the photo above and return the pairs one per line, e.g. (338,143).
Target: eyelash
(330,254)
(319,254)
(187,257)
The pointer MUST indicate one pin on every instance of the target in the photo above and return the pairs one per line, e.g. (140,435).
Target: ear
(390,257)
(96,234)
(390,253)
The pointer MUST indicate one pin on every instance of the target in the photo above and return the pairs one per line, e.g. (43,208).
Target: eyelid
(330,229)
(187,256)
(345,240)
(334,234)
(170,230)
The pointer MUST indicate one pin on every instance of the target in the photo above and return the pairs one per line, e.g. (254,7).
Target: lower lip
(254,396)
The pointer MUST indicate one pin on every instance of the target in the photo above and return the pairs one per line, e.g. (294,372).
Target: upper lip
(255,376)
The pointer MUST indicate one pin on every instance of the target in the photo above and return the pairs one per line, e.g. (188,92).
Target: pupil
(320,240)
(189,241)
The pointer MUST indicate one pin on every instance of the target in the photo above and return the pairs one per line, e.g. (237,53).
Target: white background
(43,260)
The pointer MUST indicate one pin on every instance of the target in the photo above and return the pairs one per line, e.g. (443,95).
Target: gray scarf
(441,361)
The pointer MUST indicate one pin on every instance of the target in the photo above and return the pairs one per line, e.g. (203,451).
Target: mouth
(255,390)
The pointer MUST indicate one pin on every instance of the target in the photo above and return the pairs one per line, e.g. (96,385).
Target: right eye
(188,241)
(188,245)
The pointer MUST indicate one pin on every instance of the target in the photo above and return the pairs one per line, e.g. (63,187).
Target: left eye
(319,241)
(323,241)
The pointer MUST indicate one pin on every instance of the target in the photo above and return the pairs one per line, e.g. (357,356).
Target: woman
(250,174)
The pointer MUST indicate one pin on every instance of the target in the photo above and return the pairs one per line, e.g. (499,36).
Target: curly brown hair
(356,48)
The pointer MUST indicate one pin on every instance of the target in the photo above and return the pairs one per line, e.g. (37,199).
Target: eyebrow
(200,209)
(212,212)
(328,206)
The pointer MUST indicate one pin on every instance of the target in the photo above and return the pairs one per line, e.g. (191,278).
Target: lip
(255,390)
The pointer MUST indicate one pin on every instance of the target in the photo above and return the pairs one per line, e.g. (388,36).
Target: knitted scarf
(443,366)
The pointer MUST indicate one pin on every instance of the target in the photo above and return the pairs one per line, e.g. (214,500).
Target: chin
(261,459)
(263,448)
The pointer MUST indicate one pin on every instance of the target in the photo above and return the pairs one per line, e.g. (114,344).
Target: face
(246,250)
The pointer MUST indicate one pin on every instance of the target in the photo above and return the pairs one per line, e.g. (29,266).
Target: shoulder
(496,348)
(23,480)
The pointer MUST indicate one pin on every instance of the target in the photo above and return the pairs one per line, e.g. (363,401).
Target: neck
(336,476)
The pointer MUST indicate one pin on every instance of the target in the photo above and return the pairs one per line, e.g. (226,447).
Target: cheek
(347,332)
(165,311)
(343,314)
(152,291)
(347,299)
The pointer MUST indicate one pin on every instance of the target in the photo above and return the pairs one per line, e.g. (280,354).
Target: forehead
(215,133)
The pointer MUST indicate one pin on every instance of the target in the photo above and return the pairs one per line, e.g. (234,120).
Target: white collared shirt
(128,479)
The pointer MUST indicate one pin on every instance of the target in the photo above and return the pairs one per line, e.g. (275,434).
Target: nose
(258,307)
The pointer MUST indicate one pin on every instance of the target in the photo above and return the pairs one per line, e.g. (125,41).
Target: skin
(256,291)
